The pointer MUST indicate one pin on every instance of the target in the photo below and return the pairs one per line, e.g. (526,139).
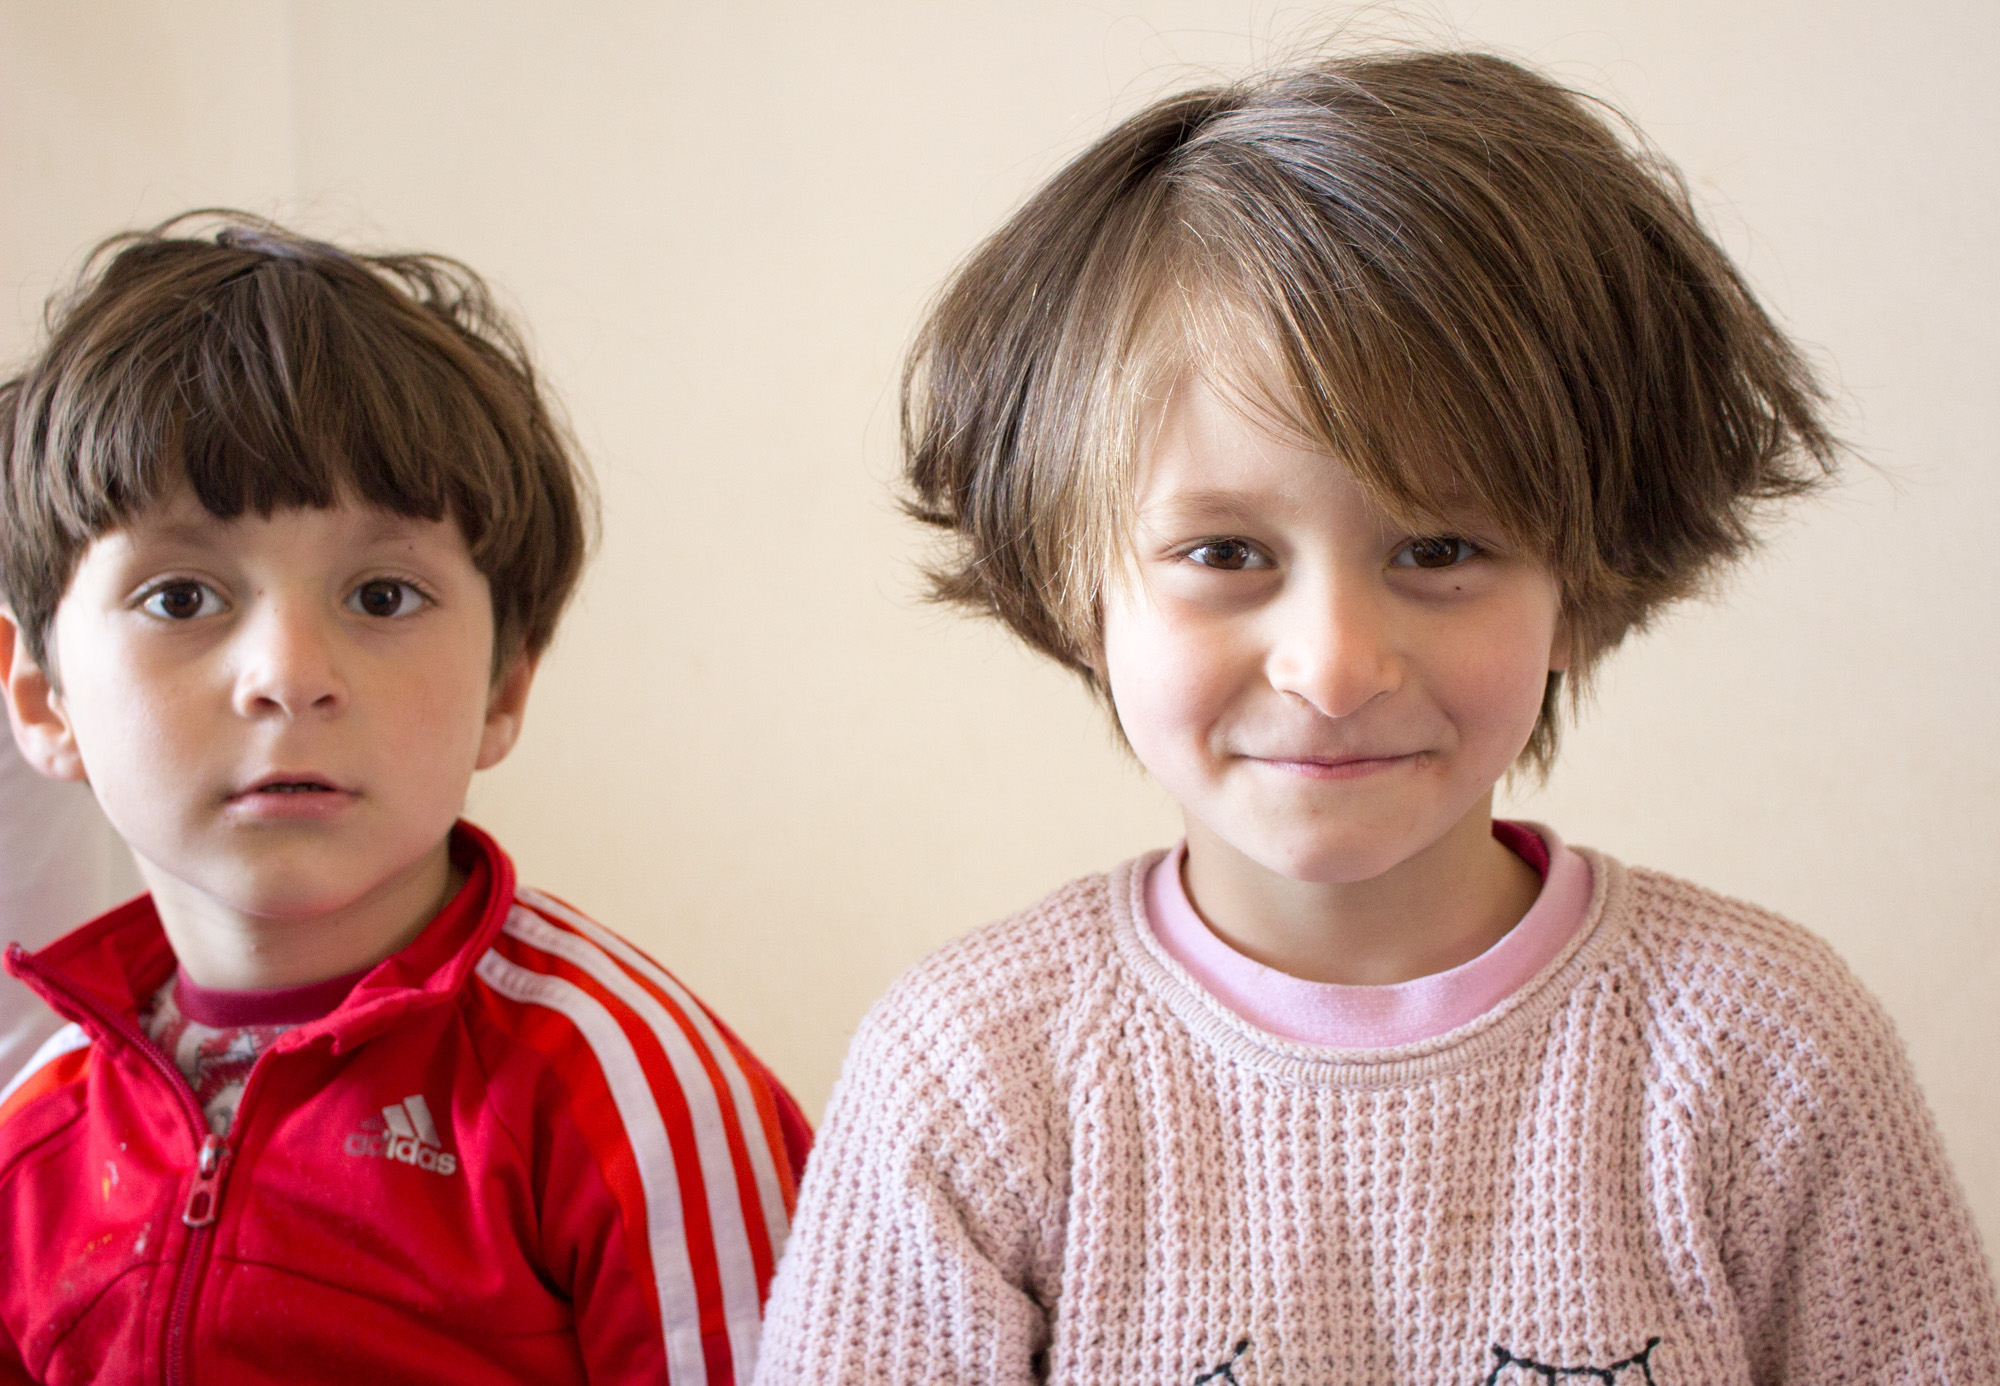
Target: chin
(1316,861)
(290,900)
(292,890)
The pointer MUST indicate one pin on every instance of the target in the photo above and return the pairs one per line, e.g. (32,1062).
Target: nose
(1335,648)
(286,663)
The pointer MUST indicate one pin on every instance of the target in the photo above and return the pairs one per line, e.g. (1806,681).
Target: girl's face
(1325,692)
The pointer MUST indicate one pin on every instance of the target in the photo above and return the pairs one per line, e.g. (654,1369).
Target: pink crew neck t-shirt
(1359,1017)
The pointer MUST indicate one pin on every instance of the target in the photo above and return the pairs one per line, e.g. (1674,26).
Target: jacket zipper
(211,1165)
(204,1203)
(199,1215)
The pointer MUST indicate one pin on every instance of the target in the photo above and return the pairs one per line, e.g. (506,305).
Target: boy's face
(1326,693)
(281,713)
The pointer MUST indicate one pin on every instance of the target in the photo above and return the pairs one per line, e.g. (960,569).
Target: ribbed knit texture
(1051,1157)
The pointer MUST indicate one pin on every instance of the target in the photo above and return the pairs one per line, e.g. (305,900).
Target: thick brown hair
(1467,283)
(265,371)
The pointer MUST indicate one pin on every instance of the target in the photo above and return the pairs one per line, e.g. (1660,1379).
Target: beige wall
(754,752)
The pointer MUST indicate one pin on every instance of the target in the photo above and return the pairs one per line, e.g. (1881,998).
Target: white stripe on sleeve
(71,1037)
(673,1274)
(770,1193)
(735,1268)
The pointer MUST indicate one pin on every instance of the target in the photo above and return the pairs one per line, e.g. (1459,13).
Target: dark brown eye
(1434,551)
(181,601)
(1230,555)
(385,597)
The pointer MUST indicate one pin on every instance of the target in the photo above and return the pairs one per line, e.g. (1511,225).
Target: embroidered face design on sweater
(1507,1365)
(1327,694)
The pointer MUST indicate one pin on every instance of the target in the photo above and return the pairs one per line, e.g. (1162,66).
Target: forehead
(1207,450)
(1200,447)
(1211,354)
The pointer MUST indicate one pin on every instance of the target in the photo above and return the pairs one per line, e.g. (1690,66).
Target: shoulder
(1791,1111)
(1011,985)
(552,961)
(48,1090)
(980,1040)
(1716,951)
(1745,988)
(952,1108)
(659,1146)
(631,1049)
(44,1111)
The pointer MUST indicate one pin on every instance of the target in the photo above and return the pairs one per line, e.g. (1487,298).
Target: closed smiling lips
(1336,766)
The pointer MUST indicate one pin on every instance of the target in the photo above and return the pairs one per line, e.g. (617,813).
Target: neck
(228,949)
(1428,914)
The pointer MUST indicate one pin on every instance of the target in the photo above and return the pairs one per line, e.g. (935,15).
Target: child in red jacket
(286,530)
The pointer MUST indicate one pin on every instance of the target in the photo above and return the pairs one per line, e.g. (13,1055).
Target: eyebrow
(1221,508)
(189,530)
(386,525)
(1201,505)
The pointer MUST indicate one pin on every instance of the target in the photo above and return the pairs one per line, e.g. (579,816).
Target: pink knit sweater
(1689,1152)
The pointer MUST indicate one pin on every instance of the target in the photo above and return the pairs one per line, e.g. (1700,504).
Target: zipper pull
(209,1168)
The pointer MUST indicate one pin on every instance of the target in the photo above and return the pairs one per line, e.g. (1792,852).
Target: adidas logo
(404,1132)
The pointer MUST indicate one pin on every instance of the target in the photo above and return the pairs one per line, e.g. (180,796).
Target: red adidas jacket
(519,1151)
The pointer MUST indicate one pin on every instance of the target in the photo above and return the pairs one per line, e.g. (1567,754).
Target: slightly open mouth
(283,788)
(275,800)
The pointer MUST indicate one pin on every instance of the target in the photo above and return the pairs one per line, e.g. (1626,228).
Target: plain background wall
(755,752)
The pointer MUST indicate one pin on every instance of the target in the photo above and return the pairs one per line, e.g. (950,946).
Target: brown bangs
(1344,387)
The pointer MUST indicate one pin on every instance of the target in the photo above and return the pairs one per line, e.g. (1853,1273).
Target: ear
(35,707)
(506,705)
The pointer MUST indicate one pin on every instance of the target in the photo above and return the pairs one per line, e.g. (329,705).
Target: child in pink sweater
(1331,425)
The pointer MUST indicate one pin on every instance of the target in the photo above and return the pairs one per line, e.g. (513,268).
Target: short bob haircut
(267,371)
(1473,287)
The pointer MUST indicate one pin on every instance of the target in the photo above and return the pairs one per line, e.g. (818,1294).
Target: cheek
(1499,685)
(443,718)
(1170,679)
(125,716)
(446,728)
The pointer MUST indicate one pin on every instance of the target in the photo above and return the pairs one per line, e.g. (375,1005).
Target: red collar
(111,966)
